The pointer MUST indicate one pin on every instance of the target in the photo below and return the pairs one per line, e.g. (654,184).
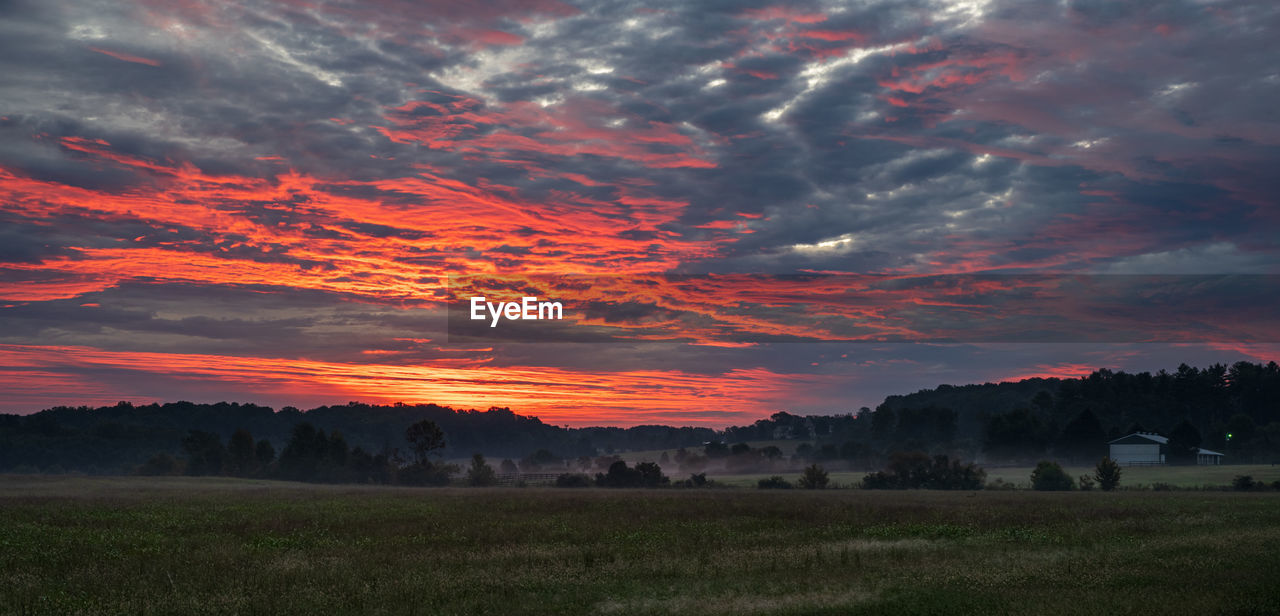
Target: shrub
(1244,482)
(909,470)
(644,475)
(651,474)
(814,478)
(1161,486)
(1050,476)
(775,482)
(573,480)
(697,480)
(1085,482)
(954,475)
(1107,473)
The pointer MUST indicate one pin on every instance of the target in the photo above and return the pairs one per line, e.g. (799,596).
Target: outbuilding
(1211,458)
(1139,449)
(1149,449)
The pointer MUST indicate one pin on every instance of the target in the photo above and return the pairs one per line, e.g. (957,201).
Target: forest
(1231,409)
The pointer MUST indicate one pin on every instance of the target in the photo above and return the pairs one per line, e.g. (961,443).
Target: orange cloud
(556,395)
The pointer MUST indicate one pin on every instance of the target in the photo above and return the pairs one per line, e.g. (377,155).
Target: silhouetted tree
(1018,434)
(645,474)
(883,422)
(425,439)
(301,457)
(205,453)
(1184,443)
(814,478)
(264,453)
(1107,473)
(651,475)
(911,470)
(241,459)
(1083,436)
(481,474)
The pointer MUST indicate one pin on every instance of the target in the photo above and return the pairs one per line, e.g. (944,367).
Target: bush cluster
(914,470)
(1049,476)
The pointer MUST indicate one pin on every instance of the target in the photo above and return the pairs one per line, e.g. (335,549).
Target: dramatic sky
(264,201)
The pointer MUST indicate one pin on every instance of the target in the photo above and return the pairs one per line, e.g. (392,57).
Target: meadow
(1133,477)
(81,545)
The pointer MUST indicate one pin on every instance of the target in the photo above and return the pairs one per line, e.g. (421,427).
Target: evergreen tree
(1184,443)
(1107,474)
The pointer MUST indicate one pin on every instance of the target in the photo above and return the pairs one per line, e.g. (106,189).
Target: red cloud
(126,57)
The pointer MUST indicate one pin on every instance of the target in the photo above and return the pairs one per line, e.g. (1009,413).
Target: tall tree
(425,439)
(205,453)
(242,460)
(1083,437)
(1184,442)
(1018,434)
(301,457)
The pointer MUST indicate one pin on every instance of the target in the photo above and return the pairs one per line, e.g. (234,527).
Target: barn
(1139,449)
(1147,448)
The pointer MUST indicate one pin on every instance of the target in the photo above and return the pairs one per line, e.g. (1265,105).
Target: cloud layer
(261,185)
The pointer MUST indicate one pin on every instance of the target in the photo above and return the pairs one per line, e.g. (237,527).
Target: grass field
(153,546)
(1133,477)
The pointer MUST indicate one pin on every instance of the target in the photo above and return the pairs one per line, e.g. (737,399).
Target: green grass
(73,545)
(1133,477)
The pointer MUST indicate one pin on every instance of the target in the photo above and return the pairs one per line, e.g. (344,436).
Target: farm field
(174,545)
(1177,476)
(1133,477)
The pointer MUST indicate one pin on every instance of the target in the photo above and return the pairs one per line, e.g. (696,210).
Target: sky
(266,201)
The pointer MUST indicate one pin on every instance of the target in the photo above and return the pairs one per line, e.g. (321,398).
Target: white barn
(1147,448)
(1139,448)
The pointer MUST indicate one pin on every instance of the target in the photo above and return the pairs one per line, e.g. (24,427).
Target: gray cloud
(903,137)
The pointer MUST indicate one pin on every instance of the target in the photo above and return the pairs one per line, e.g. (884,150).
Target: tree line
(311,455)
(1234,410)
(1231,409)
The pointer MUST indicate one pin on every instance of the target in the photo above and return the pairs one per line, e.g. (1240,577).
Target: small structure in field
(1149,449)
(1206,457)
(1139,449)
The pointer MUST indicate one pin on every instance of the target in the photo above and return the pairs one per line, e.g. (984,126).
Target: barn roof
(1206,452)
(1150,436)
